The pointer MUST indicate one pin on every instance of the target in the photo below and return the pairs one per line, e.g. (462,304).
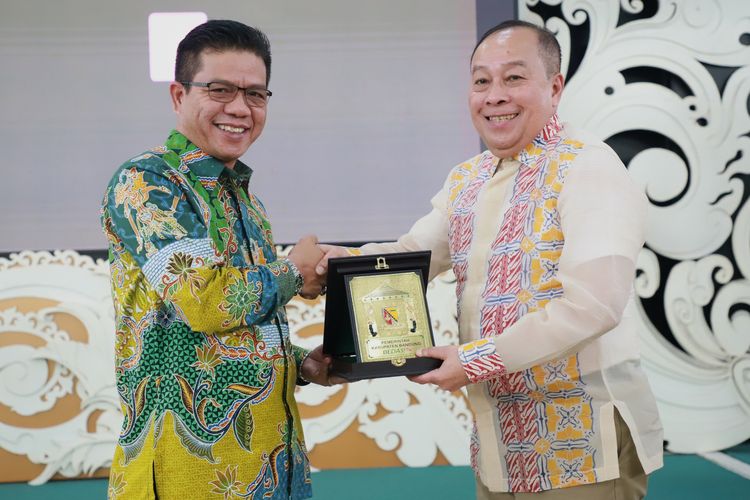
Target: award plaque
(376,315)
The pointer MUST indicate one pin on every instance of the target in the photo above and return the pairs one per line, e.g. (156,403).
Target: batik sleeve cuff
(480,360)
(300,356)
(286,279)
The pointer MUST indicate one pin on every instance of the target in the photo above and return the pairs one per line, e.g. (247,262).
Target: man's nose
(238,105)
(497,93)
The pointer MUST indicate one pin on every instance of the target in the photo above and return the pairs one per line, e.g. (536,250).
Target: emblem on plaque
(384,308)
(387,320)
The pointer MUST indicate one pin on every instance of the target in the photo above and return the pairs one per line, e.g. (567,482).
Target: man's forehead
(526,37)
(234,61)
(513,47)
(481,65)
(214,54)
(512,32)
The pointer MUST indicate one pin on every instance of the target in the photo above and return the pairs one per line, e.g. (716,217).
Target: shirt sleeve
(149,217)
(428,233)
(602,214)
(300,353)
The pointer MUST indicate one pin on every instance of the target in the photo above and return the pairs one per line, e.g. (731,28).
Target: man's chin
(226,158)
(504,150)
(231,154)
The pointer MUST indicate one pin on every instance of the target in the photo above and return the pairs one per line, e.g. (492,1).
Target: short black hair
(549,48)
(219,36)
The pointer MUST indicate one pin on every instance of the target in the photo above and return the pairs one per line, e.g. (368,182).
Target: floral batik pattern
(205,368)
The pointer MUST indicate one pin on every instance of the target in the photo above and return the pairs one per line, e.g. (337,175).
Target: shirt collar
(547,136)
(202,164)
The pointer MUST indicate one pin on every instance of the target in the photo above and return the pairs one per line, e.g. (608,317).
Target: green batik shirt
(205,369)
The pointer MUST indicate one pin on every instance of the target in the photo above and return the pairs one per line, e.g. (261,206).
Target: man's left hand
(450,376)
(316,366)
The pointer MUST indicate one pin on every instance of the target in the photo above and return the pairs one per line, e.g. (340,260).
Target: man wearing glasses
(205,368)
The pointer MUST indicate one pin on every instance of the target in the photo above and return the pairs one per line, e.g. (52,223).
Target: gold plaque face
(390,316)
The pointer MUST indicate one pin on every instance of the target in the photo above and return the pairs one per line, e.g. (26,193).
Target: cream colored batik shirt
(544,248)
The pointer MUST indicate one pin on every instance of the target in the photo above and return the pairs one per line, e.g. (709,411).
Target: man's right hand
(306,255)
(329,252)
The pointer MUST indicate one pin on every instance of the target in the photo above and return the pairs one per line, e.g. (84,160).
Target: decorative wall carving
(42,363)
(667,85)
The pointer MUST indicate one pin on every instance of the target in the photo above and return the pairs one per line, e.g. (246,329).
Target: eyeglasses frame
(207,86)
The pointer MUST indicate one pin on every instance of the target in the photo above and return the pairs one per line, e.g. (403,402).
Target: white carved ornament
(697,212)
(34,375)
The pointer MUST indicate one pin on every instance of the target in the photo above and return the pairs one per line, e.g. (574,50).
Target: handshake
(311,259)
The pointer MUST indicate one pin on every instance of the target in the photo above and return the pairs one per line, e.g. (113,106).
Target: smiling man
(543,232)
(205,368)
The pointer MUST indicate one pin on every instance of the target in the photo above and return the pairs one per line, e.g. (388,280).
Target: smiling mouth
(501,118)
(235,130)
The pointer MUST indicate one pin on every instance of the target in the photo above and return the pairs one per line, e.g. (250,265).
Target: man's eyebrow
(519,62)
(249,87)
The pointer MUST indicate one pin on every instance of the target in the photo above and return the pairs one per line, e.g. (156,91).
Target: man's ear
(177,92)
(558,83)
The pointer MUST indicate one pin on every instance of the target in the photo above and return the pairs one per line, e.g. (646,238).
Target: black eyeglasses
(226,92)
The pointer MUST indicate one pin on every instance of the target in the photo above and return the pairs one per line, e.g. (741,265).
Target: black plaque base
(341,339)
(348,368)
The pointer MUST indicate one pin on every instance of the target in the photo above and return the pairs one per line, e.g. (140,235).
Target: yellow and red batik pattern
(544,413)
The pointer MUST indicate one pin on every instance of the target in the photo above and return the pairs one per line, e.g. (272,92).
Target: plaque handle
(381,263)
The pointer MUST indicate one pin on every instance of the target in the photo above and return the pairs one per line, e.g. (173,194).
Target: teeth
(502,118)
(227,128)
